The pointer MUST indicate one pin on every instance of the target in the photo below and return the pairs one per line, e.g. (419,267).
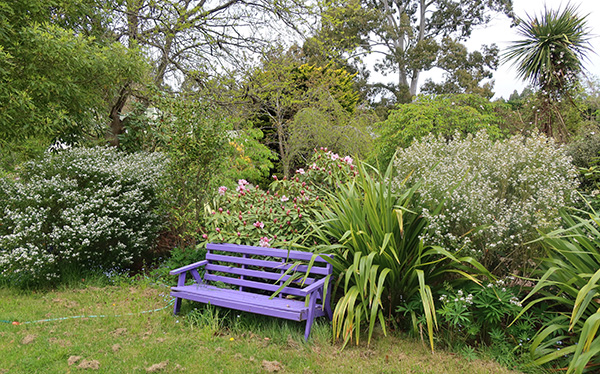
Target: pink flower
(348,160)
(264,242)
(204,236)
(218,229)
(242,182)
(274,176)
(334,156)
(220,210)
(284,198)
(300,171)
(259,225)
(222,190)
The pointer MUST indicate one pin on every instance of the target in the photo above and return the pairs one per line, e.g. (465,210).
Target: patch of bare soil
(272,366)
(89,364)
(28,339)
(119,332)
(73,360)
(116,348)
(158,367)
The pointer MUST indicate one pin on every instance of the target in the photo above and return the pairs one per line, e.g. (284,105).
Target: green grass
(203,340)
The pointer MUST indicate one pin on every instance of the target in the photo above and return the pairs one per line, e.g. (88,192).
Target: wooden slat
(255,273)
(265,263)
(260,251)
(254,284)
(292,309)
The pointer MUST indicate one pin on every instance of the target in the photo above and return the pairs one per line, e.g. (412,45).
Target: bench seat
(295,310)
(245,278)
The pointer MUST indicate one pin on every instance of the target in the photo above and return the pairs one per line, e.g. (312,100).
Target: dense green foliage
(88,208)
(301,106)
(436,115)
(380,258)
(58,75)
(194,137)
(568,281)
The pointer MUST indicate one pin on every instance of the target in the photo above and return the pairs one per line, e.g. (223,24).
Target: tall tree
(289,95)
(193,38)
(190,41)
(464,72)
(407,34)
(550,56)
(59,72)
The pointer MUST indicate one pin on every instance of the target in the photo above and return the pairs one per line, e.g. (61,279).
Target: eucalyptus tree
(550,56)
(405,34)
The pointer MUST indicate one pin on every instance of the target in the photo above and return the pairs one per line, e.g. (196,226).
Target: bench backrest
(258,269)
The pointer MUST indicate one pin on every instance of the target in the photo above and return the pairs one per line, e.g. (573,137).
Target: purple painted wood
(189,267)
(267,275)
(260,251)
(254,284)
(258,277)
(316,269)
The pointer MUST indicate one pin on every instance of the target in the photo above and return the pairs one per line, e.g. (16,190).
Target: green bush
(379,258)
(282,214)
(442,115)
(495,195)
(86,208)
(569,283)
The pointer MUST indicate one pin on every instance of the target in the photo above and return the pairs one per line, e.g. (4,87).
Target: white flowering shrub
(92,208)
(495,195)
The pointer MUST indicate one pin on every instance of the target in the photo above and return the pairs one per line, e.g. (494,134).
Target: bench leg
(327,306)
(311,314)
(177,305)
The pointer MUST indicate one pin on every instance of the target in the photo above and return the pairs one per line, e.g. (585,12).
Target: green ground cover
(198,341)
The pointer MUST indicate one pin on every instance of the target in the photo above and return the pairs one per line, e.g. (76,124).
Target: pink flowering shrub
(282,214)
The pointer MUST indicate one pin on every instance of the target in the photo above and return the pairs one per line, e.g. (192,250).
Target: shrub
(569,280)
(282,214)
(83,208)
(495,194)
(379,257)
(439,115)
(472,314)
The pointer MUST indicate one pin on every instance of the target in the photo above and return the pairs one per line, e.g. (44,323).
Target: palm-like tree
(551,54)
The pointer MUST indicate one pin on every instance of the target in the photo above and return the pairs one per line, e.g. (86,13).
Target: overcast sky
(500,32)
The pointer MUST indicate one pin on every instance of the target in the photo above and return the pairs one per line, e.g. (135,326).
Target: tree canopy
(407,35)
(58,73)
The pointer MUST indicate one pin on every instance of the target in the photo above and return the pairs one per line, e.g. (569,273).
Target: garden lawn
(197,341)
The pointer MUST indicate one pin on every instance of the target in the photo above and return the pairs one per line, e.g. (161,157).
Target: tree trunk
(116,125)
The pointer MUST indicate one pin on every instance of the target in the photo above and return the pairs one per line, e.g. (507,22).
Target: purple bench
(257,273)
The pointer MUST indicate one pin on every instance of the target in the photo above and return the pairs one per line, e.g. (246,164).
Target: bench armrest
(188,267)
(315,286)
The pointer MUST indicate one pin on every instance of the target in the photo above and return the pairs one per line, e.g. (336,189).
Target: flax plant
(379,256)
(570,282)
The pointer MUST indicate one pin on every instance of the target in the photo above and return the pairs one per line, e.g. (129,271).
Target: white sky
(500,32)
